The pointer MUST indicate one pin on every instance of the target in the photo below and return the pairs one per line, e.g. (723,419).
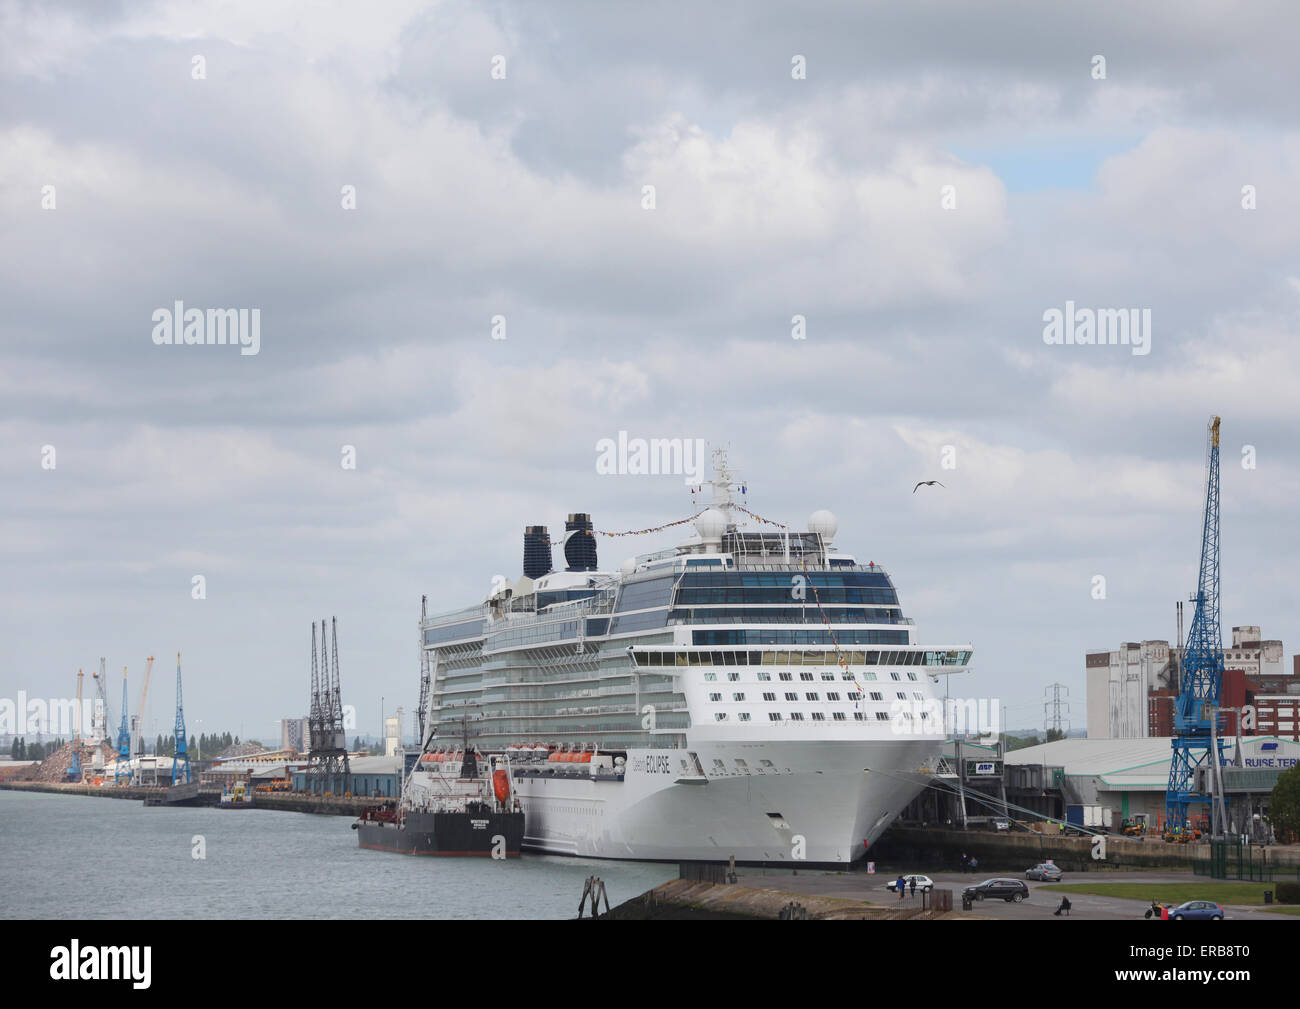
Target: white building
(1119,682)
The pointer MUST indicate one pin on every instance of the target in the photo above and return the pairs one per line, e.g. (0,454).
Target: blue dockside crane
(123,740)
(182,755)
(1197,742)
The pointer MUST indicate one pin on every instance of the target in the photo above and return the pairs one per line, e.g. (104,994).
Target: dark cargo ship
(448,807)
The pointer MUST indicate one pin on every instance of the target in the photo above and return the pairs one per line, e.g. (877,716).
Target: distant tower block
(579,543)
(537,552)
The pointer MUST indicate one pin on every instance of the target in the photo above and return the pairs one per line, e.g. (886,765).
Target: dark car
(1204,910)
(991,889)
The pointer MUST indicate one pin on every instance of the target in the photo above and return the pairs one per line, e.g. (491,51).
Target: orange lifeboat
(585,758)
(501,785)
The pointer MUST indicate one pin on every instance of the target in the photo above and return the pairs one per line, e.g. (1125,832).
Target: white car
(923,883)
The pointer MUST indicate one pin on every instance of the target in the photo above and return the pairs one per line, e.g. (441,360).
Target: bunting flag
(771,522)
(652,529)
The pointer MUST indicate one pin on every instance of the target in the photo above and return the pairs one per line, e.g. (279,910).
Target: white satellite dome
(711,524)
(628,567)
(824,523)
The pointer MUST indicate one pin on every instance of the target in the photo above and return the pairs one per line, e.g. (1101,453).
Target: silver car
(1045,871)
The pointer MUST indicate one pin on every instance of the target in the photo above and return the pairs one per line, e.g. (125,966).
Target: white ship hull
(819,802)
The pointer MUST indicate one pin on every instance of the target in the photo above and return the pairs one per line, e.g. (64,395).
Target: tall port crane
(1196,741)
(123,740)
(138,727)
(74,766)
(182,754)
(102,730)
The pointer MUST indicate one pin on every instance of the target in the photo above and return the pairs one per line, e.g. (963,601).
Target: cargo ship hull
(493,835)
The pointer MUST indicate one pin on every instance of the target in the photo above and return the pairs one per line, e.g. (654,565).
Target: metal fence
(1241,861)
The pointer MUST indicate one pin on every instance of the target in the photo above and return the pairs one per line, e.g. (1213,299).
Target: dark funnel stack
(537,551)
(580,546)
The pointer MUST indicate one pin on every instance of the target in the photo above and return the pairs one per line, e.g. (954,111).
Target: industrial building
(1128,778)
(1131,690)
(374,776)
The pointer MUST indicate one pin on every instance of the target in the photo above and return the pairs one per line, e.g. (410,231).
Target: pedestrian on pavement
(913,886)
(901,886)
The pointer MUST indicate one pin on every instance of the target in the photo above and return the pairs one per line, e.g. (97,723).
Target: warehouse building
(1127,778)
(371,776)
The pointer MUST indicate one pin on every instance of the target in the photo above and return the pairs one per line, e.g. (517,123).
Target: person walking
(901,886)
(913,886)
(963,861)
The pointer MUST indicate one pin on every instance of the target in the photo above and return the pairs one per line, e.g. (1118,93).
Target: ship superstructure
(749,693)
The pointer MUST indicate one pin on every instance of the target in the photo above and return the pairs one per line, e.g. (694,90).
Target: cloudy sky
(199,152)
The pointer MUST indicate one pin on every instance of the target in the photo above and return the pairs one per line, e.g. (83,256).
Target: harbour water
(75,857)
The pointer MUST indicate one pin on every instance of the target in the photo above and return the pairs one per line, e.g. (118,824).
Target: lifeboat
(585,757)
(501,785)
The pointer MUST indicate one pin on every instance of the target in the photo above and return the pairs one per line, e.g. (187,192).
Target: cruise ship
(750,693)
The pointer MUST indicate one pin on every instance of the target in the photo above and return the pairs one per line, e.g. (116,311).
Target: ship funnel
(537,552)
(579,543)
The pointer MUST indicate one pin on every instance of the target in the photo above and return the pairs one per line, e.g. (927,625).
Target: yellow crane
(139,718)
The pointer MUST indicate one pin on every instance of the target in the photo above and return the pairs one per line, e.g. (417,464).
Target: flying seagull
(926,483)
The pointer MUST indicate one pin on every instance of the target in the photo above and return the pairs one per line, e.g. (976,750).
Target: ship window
(764,677)
(805,676)
(900,695)
(682,659)
(796,716)
(894,676)
(782,658)
(818,716)
(769,696)
(786,676)
(755,658)
(711,658)
(911,676)
(855,696)
(743,716)
(710,677)
(828,675)
(918,695)
(740,762)
(698,658)
(766,763)
(720,716)
(858,716)
(846,675)
(773,716)
(869,676)
(810,697)
(769,658)
(857,658)
(729,658)
(715,697)
(837,715)
(882,716)
(719,764)
(833,696)
(871,658)
(737,697)
(924,715)
(876,695)
(791,696)
(733,676)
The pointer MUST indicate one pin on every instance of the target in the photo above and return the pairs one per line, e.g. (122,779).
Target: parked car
(1045,871)
(1204,910)
(1006,889)
(923,883)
